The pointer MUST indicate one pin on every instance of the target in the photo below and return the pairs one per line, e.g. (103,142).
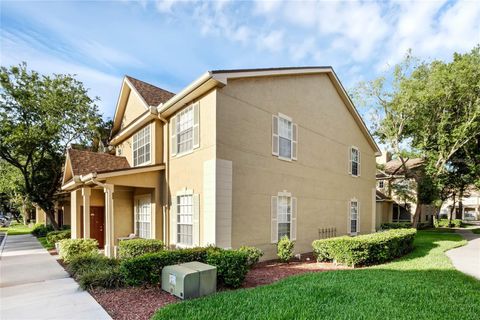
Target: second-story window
(284,137)
(381,184)
(185,130)
(354,162)
(141,147)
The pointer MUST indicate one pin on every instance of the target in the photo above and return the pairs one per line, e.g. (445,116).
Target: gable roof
(152,95)
(219,78)
(83,162)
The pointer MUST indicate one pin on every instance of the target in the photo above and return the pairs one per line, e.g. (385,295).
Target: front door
(97,225)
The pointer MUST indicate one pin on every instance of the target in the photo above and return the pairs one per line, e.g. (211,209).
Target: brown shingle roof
(395,166)
(152,95)
(84,162)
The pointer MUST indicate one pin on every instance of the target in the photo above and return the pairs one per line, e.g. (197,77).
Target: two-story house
(238,157)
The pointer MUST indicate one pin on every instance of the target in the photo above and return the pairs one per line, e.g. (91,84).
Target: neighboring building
(62,211)
(238,157)
(470,206)
(397,204)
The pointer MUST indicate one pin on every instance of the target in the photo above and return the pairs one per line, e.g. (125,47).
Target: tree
(40,116)
(432,108)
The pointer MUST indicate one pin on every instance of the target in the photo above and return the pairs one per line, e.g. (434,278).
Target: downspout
(167,175)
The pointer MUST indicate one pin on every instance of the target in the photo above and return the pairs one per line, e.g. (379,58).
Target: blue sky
(170,43)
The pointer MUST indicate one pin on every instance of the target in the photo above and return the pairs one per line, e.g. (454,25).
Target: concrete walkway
(34,286)
(467,258)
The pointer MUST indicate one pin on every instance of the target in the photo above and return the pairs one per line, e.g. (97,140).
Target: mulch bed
(141,303)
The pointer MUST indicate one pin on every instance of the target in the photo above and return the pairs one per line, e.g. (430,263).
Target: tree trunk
(452,210)
(50,213)
(460,203)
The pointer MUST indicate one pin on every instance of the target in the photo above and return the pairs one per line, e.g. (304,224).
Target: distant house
(470,206)
(396,194)
(237,157)
(62,211)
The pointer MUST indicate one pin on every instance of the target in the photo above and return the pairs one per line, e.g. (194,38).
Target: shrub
(137,247)
(70,248)
(253,254)
(54,236)
(285,249)
(365,249)
(110,277)
(83,263)
(444,223)
(232,266)
(147,269)
(396,225)
(41,230)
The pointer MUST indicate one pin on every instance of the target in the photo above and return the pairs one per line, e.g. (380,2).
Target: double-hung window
(185,219)
(354,162)
(141,147)
(185,130)
(284,216)
(143,217)
(284,137)
(353,215)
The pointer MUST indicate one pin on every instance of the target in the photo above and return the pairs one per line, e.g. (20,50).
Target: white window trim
(136,198)
(293,215)
(195,108)
(350,216)
(285,117)
(151,148)
(183,192)
(350,162)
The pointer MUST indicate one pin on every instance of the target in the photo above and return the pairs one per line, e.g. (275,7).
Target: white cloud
(106,55)
(272,41)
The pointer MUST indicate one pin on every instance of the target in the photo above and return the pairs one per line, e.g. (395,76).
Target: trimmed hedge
(254,254)
(137,247)
(55,236)
(232,265)
(444,223)
(83,263)
(94,270)
(365,249)
(41,230)
(396,225)
(285,249)
(70,248)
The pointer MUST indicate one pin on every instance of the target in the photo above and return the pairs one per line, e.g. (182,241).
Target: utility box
(189,280)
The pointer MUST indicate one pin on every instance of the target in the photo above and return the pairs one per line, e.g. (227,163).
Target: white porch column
(109,239)
(86,192)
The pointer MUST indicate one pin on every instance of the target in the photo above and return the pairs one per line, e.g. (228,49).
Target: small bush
(232,266)
(147,269)
(110,277)
(69,248)
(254,254)
(137,247)
(445,223)
(41,230)
(365,249)
(55,236)
(396,225)
(285,249)
(83,263)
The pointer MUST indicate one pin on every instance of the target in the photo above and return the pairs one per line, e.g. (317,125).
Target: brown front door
(97,225)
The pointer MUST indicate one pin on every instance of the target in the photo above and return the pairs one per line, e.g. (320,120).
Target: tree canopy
(40,116)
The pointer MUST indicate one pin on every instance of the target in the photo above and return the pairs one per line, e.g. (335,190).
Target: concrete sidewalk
(34,286)
(467,258)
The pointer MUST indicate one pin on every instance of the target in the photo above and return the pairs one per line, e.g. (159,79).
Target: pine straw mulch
(139,303)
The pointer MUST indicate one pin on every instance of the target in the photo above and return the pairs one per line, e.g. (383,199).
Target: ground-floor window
(353,217)
(284,215)
(185,219)
(143,217)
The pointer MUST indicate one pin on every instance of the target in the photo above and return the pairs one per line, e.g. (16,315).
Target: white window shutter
(173,135)
(358,217)
(293,223)
(349,217)
(274,235)
(275,138)
(294,141)
(196,125)
(349,160)
(173,221)
(196,220)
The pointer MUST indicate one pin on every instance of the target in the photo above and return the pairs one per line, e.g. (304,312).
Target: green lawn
(17,228)
(421,285)
(43,241)
(476,231)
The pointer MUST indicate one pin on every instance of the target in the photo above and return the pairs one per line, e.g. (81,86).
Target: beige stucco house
(238,157)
